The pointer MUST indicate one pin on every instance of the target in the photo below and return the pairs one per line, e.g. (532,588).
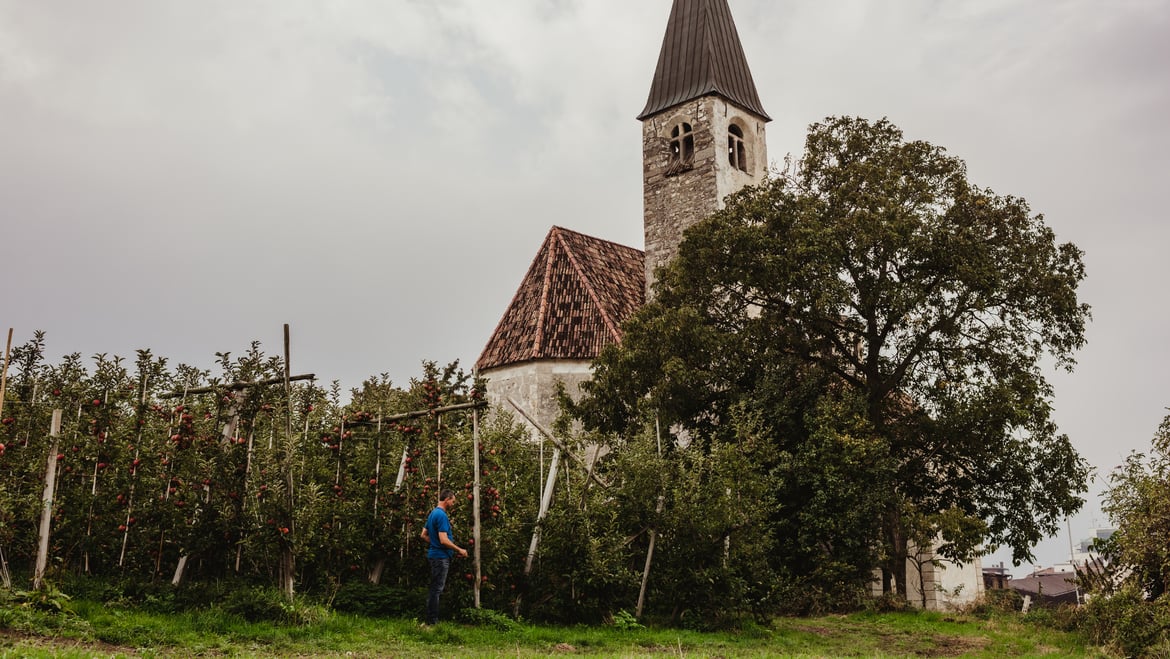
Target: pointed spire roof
(701,54)
(578,291)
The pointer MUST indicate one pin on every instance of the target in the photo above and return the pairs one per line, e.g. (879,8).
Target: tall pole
(649,559)
(653,532)
(4,371)
(545,502)
(475,534)
(47,503)
(5,576)
(1072,558)
(287,387)
(288,560)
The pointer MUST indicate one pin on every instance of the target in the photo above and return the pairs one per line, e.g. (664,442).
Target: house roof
(571,303)
(701,54)
(1058,585)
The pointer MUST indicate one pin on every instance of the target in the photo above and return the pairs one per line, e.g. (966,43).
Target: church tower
(702,127)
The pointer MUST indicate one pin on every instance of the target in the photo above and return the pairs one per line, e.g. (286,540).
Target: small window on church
(682,144)
(736,150)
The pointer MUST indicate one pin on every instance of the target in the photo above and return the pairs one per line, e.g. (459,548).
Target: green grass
(91,629)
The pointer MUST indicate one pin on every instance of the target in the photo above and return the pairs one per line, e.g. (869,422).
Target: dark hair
(445,494)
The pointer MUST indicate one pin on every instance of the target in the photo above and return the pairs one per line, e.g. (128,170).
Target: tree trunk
(899,554)
(895,567)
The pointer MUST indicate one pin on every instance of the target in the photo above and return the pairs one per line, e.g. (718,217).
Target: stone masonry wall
(675,200)
(533,386)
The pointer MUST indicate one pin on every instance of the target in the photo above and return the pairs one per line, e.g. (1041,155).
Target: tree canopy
(1138,501)
(874,280)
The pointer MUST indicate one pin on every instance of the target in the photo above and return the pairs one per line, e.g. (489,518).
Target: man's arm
(446,542)
(424,535)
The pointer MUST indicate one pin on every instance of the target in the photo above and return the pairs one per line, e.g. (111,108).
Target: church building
(702,139)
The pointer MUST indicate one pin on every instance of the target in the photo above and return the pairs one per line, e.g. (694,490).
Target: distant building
(996,577)
(1050,586)
(1084,549)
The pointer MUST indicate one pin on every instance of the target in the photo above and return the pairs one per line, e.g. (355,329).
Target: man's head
(446,498)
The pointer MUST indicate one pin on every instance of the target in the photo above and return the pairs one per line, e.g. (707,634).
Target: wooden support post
(287,386)
(653,530)
(402,468)
(179,569)
(649,559)
(374,576)
(47,502)
(4,371)
(243,499)
(287,558)
(92,497)
(377,465)
(134,476)
(475,535)
(545,502)
(5,575)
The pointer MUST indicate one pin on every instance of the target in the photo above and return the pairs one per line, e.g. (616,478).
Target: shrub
(993,602)
(1129,623)
(887,603)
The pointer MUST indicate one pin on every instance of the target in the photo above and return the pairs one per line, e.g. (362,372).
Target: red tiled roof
(578,291)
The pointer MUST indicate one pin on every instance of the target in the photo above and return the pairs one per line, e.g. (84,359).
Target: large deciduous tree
(874,275)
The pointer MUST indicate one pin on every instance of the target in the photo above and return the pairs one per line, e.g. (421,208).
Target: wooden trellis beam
(559,444)
(242,384)
(419,413)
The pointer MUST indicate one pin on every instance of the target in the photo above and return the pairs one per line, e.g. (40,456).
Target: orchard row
(172,475)
(156,483)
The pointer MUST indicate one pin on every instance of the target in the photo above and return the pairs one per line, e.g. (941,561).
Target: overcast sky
(188,176)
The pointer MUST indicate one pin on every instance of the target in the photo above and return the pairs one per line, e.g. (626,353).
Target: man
(440,548)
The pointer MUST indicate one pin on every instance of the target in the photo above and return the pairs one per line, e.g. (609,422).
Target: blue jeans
(439,568)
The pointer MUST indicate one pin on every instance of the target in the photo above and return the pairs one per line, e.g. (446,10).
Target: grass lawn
(91,629)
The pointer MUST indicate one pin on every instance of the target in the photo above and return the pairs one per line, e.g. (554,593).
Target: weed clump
(488,618)
(270,605)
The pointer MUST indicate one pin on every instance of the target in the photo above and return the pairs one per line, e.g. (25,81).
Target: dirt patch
(952,646)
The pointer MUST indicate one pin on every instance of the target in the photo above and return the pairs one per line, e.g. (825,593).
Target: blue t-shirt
(438,521)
